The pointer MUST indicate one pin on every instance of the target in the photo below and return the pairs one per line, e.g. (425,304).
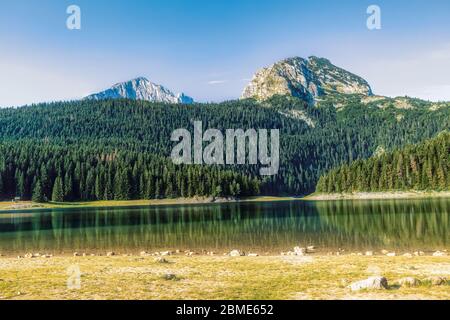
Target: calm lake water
(262,227)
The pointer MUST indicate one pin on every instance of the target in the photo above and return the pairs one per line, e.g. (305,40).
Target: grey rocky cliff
(307,79)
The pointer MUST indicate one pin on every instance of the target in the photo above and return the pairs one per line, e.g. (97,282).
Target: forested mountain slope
(424,166)
(314,139)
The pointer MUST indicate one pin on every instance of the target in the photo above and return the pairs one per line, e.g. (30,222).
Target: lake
(265,227)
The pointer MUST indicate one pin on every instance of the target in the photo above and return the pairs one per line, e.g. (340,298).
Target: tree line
(423,166)
(43,172)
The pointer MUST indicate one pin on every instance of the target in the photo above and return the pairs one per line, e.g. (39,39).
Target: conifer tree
(58,191)
(38,194)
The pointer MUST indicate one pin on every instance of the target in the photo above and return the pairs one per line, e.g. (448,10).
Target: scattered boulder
(236,253)
(110,254)
(29,255)
(165,253)
(419,253)
(391,254)
(299,251)
(369,253)
(144,254)
(436,281)
(76,254)
(385,252)
(376,283)
(408,255)
(161,260)
(253,255)
(310,249)
(170,276)
(409,282)
(356,254)
(439,254)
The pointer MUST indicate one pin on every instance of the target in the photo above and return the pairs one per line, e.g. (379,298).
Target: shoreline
(305,252)
(378,195)
(10,207)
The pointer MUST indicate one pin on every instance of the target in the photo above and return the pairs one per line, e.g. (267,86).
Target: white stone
(391,254)
(299,251)
(409,282)
(235,253)
(439,254)
(408,255)
(370,283)
(161,260)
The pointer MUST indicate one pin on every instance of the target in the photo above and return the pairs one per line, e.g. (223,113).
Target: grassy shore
(28,205)
(219,277)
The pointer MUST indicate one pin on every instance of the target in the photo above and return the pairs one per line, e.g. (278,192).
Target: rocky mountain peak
(141,89)
(307,79)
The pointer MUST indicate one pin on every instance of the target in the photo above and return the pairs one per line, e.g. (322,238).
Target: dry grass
(204,277)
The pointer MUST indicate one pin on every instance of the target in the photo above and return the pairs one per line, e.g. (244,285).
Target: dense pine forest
(422,167)
(86,148)
(44,172)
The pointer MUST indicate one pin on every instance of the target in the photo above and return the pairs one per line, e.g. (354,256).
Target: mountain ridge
(141,88)
(307,79)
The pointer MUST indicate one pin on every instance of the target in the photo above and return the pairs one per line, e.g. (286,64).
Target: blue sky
(210,49)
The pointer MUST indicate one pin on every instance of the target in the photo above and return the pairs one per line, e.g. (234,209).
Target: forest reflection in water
(264,227)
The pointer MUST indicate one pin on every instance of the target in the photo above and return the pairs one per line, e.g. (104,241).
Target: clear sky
(209,49)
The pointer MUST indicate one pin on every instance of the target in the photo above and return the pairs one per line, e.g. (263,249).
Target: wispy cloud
(215,82)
